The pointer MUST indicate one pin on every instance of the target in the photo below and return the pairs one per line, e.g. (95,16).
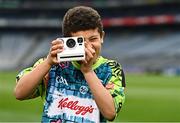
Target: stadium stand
(12,47)
(27,27)
(145,50)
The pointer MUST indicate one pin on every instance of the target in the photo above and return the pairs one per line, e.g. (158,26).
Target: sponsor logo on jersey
(83,89)
(74,105)
(62,80)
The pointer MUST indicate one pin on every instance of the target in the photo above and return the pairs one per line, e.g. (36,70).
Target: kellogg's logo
(74,105)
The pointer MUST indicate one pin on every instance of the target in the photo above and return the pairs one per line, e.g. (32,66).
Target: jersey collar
(99,61)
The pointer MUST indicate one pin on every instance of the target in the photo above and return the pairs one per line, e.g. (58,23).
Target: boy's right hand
(56,47)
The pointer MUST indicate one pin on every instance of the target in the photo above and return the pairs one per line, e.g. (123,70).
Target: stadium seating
(13,47)
(142,50)
(31,25)
(145,51)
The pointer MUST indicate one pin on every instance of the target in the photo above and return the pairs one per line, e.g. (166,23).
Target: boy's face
(92,38)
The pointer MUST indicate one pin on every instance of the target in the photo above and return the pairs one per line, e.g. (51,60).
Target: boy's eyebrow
(93,36)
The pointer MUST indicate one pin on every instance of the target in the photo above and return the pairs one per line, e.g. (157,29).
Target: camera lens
(80,40)
(70,43)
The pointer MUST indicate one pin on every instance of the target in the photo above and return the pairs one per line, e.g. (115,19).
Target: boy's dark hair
(81,18)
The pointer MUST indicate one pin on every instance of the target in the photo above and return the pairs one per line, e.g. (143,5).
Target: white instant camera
(73,49)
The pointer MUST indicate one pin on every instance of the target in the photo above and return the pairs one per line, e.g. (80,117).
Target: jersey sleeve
(116,84)
(39,90)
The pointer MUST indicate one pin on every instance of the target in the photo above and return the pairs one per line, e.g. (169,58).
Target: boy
(79,91)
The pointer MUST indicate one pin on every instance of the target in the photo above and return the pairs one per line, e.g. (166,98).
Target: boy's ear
(102,39)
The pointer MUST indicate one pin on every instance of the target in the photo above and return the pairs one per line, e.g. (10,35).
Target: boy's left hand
(90,58)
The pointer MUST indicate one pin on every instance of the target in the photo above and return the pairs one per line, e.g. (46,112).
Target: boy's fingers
(57,46)
(54,52)
(89,47)
(88,54)
(57,41)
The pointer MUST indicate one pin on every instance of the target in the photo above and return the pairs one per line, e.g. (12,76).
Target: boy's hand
(56,47)
(90,58)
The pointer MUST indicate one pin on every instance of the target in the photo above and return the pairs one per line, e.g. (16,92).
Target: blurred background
(143,35)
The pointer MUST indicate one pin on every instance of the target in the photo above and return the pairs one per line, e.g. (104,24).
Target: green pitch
(149,98)
(12,109)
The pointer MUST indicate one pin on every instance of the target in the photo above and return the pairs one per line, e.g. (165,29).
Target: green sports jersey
(66,95)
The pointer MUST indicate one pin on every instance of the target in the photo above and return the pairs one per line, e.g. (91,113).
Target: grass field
(149,98)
